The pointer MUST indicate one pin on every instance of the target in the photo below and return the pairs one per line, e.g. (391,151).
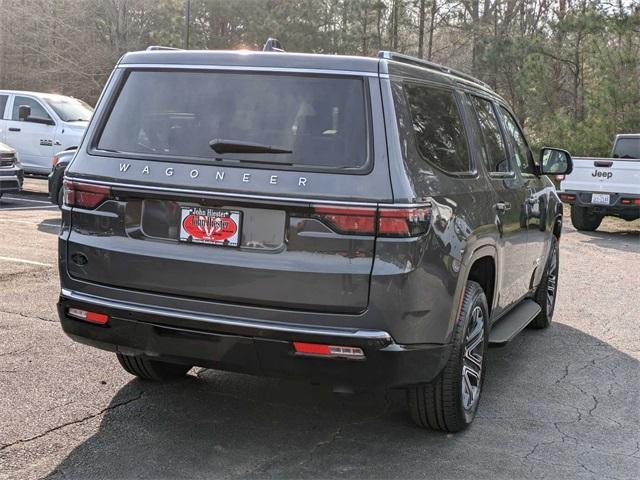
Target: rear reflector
(386,222)
(84,195)
(567,197)
(328,350)
(92,317)
(630,201)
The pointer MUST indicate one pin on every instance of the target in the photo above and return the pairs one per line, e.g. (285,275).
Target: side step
(513,323)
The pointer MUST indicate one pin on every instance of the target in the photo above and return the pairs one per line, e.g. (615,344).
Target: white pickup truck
(39,125)
(598,187)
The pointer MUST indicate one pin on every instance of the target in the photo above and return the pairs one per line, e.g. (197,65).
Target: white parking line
(20,199)
(20,260)
(25,222)
(2,209)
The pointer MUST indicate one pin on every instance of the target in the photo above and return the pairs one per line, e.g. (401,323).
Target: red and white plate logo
(208,225)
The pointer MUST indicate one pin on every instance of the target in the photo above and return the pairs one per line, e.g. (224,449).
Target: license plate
(600,198)
(213,226)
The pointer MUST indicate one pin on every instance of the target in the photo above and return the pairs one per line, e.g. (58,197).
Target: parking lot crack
(72,422)
(33,317)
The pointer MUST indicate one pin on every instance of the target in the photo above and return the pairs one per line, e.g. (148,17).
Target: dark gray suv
(362,222)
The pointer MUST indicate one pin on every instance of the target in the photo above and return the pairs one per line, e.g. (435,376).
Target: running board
(513,323)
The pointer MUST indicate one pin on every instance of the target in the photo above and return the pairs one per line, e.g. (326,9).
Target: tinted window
(624,148)
(3,104)
(438,129)
(495,154)
(37,110)
(321,120)
(519,148)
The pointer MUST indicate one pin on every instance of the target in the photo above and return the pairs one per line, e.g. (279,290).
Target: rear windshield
(315,122)
(627,148)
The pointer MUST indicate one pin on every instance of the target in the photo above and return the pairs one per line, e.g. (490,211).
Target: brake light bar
(386,222)
(630,201)
(87,316)
(323,350)
(84,195)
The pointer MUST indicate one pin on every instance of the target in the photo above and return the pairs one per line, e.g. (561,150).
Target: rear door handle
(14,129)
(503,206)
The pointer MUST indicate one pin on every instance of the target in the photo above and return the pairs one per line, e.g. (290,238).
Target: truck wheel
(148,369)
(547,290)
(449,403)
(60,197)
(583,219)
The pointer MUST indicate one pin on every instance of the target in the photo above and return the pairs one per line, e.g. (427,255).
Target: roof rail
(418,62)
(153,48)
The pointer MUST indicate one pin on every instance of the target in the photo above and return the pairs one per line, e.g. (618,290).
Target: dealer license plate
(213,226)
(600,198)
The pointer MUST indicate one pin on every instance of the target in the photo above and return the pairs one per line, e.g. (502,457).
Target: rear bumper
(11,180)
(615,207)
(259,348)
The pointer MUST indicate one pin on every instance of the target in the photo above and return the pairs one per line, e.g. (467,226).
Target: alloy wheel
(552,282)
(472,360)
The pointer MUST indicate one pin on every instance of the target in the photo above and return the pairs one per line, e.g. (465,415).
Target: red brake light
(55,160)
(629,201)
(567,197)
(84,195)
(387,222)
(403,222)
(358,221)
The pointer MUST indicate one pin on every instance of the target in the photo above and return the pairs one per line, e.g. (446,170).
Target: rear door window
(316,122)
(494,153)
(438,128)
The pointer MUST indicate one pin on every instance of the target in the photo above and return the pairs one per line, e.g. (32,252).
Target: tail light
(386,222)
(55,160)
(560,178)
(403,222)
(567,197)
(84,195)
(630,201)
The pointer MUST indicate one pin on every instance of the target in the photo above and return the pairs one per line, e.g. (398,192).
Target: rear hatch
(252,187)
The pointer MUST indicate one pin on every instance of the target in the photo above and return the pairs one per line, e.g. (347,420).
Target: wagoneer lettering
(361,222)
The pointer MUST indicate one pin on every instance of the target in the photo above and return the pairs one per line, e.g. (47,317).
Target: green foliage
(570,70)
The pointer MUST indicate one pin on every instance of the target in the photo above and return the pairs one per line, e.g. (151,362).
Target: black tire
(583,219)
(60,197)
(547,291)
(148,369)
(441,404)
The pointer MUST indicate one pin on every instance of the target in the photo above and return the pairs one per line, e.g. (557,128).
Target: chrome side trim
(282,198)
(357,334)
(249,68)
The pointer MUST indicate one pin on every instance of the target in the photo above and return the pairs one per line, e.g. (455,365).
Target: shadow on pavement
(50,225)
(557,403)
(624,240)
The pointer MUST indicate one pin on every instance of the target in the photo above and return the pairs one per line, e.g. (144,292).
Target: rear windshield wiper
(220,145)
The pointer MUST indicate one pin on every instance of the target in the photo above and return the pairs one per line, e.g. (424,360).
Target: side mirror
(24,112)
(554,161)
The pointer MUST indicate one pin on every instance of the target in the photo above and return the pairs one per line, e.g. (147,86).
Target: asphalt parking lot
(560,403)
